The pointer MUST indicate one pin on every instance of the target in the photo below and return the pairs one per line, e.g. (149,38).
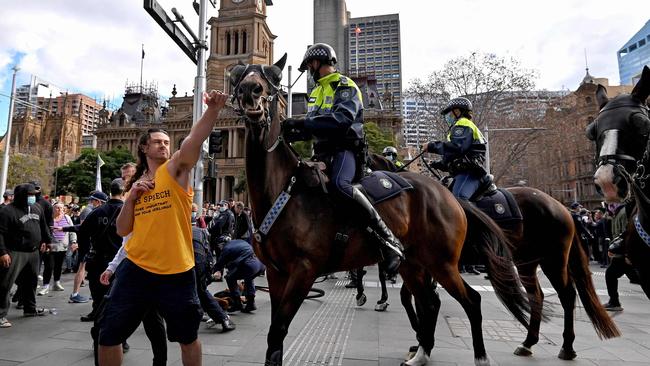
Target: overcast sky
(93,46)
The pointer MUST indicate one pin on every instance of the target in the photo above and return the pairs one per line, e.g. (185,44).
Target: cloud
(93,46)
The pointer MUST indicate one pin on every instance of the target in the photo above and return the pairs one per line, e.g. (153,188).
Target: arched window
(227,43)
(180,142)
(244,39)
(55,144)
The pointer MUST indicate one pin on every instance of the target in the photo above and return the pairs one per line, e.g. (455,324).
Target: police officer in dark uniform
(99,229)
(335,120)
(463,154)
(222,227)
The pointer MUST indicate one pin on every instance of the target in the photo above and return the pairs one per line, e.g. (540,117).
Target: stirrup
(388,244)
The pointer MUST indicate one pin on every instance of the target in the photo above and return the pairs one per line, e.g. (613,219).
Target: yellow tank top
(161,240)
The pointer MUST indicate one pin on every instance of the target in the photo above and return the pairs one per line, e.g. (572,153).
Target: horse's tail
(579,270)
(493,244)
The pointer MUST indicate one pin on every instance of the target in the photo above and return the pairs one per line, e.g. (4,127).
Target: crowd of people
(601,232)
(137,270)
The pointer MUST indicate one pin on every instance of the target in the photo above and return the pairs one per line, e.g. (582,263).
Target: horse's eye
(258,89)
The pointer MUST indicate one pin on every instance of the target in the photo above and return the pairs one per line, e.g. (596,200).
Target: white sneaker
(57,287)
(4,323)
(44,291)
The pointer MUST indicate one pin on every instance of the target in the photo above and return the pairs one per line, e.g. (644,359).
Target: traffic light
(215,142)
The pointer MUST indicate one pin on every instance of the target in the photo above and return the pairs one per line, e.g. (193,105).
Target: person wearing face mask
(23,232)
(463,154)
(196,219)
(221,227)
(335,120)
(390,153)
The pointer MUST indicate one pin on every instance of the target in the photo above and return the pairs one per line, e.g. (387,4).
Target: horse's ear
(236,72)
(274,72)
(601,96)
(283,60)
(642,88)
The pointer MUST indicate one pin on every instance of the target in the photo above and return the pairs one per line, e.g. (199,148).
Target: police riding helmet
(318,51)
(389,150)
(457,103)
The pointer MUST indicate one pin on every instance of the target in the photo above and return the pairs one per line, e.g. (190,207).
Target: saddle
(378,186)
(498,203)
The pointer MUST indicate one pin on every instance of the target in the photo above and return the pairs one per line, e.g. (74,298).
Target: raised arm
(186,157)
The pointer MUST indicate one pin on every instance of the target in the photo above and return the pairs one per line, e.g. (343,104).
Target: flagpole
(98,175)
(141,63)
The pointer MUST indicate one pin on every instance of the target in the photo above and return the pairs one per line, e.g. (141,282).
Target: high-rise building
(29,93)
(83,106)
(419,118)
(634,55)
(330,25)
(374,51)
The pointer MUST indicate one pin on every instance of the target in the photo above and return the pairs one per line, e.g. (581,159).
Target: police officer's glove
(616,246)
(293,129)
(434,147)
(439,165)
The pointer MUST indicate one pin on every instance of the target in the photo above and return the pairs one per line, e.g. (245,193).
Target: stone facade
(54,136)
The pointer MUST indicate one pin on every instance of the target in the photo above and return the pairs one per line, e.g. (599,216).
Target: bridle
(640,176)
(271,99)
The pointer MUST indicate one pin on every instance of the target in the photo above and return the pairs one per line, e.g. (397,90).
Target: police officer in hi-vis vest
(335,120)
(463,154)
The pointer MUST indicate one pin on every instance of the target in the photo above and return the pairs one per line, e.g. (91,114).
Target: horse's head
(621,132)
(254,88)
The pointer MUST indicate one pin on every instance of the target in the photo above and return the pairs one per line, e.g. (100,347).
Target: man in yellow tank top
(158,269)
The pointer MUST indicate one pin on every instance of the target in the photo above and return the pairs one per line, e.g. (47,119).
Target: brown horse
(547,238)
(621,132)
(301,243)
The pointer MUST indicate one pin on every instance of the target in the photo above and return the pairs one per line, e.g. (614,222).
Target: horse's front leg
(286,301)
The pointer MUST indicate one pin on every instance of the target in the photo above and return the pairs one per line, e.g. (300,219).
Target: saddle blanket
(381,185)
(501,207)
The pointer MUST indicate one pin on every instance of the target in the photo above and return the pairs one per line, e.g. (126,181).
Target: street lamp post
(199,88)
(5,158)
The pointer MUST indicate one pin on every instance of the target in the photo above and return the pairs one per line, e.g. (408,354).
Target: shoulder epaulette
(343,80)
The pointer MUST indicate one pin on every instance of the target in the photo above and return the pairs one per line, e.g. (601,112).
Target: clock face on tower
(259,4)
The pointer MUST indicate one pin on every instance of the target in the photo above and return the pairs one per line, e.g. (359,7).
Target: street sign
(169,26)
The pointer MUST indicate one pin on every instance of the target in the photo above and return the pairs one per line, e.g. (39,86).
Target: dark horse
(547,238)
(621,132)
(301,243)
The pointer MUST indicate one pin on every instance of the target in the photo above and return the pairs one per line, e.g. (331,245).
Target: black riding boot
(250,305)
(392,249)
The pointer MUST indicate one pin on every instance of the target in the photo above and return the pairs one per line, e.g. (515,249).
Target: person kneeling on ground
(242,264)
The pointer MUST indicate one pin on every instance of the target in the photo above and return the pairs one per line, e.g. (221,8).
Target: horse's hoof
(361,299)
(381,307)
(483,361)
(523,351)
(567,355)
(416,357)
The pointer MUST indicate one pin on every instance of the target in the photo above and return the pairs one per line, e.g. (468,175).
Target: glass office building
(634,55)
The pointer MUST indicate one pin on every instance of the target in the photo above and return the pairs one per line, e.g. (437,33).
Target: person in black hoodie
(23,232)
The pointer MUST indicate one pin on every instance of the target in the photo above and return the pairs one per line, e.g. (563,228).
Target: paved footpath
(332,331)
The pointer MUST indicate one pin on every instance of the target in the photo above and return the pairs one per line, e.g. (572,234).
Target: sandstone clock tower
(239,33)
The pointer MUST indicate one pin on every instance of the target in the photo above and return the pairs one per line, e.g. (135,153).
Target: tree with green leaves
(77,178)
(376,138)
(24,168)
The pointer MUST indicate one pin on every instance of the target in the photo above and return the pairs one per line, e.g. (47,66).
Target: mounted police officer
(335,119)
(390,153)
(463,154)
